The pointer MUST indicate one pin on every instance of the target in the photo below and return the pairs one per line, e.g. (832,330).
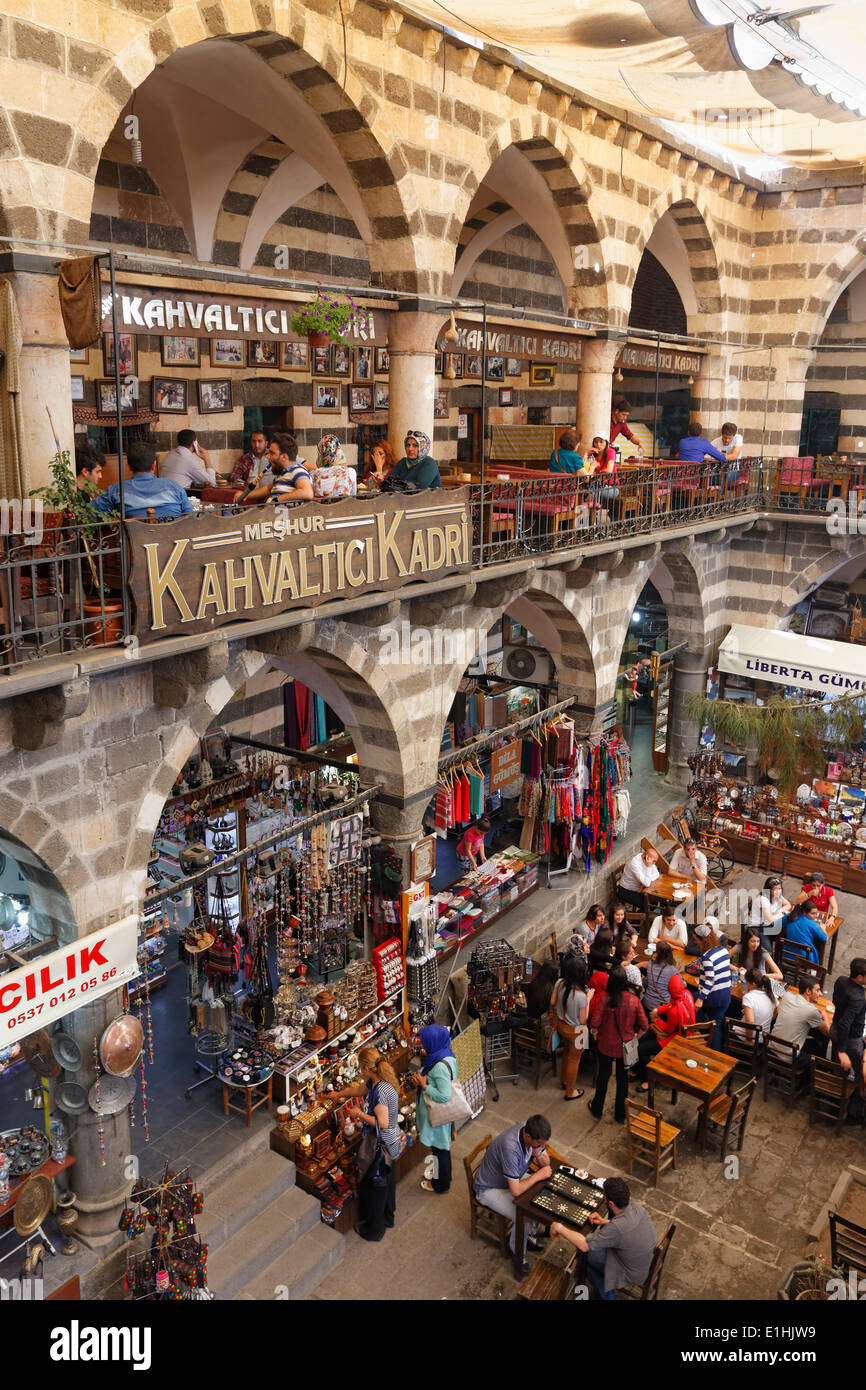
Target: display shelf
(284,1078)
(443,952)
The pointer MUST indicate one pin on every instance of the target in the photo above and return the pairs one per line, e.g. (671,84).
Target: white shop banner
(786,658)
(38,994)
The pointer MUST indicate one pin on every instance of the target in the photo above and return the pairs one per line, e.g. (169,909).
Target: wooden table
(524,1211)
(264,1091)
(662,890)
(548,1281)
(832,930)
(708,1079)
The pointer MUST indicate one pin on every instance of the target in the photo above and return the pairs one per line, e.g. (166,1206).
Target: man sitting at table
(669,927)
(802,928)
(188,464)
(502,1173)
(639,874)
(731,445)
(693,448)
(291,481)
(620,1250)
(144,492)
(799,1020)
(689,862)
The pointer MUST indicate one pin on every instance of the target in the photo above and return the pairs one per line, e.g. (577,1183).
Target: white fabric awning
(786,658)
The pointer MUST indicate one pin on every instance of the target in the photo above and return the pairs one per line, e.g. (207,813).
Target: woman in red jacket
(620,1019)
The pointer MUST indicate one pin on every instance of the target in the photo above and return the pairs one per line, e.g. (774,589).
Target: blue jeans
(715,1008)
(595,1274)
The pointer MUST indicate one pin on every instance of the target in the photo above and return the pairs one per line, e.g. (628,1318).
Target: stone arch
(553,159)
(819,572)
(679,582)
(832,282)
(696,227)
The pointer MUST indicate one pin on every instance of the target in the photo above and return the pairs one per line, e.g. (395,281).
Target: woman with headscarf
(665,1023)
(416,466)
(332,475)
(434,1082)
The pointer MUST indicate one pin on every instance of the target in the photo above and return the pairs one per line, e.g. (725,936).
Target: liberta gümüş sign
(199,573)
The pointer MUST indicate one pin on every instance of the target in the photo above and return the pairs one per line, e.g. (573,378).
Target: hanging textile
(14,452)
(302,710)
(320,728)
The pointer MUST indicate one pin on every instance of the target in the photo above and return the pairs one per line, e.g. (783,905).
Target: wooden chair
(663,865)
(647,1133)
(726,1118)
(529,1048)
(482,1220)
(648,1291)
(808,973)
(847,1243)
(780,1067)
(743,1041)
(828,1093)
(791,958)
(699,1032)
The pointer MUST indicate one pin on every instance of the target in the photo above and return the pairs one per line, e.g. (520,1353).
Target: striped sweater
(715,973)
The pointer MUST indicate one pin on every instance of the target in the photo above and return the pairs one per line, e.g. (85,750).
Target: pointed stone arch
(696,227)
(832,282)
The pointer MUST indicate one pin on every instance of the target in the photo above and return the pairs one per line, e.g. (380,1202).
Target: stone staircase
(265,1235)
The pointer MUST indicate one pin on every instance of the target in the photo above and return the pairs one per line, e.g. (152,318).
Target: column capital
(415,327)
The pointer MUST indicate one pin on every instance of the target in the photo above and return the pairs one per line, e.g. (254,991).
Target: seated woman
(749,954)
(601,466)
(601,951)
(759,1001)
(567,457)
(383,460)
(540,988)
(416,466)
(333,476)
(667,1020)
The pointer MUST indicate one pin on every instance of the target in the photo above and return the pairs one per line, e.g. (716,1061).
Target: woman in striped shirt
(378,1118)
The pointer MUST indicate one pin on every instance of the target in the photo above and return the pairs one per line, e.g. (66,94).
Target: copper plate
(37,1049)
(121,1044)
(33,1204)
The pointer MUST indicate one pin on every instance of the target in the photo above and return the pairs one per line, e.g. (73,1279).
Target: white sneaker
(430,1168)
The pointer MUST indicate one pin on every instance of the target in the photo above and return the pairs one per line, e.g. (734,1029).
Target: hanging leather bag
(80,300)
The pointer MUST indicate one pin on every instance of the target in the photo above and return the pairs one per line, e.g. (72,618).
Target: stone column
(711,392)
(400,827)
(44,370)
(595,387)
(784,415)
(412,335)
(690,678)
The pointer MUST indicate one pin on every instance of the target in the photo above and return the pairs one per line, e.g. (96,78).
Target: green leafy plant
(326,314)
(64,495)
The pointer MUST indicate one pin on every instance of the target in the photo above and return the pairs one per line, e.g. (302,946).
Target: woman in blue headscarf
(434,1083)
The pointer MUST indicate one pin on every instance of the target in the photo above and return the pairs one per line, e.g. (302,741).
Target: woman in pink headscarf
(333,476)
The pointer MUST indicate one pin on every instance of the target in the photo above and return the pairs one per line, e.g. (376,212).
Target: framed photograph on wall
(454,360)
(106,400)
(495,368)
(77,388)
(473,364)
(506,395)
(128,354)
(513,366)
(176,351)
(423,860)
(542,374)
(168,395)
(360,399)
(438,363)
(326,396)
(295,357)
(440,405)
(262,353)
(341,360)
(215,397)
(363,364)
(383,361)
(321,361)
(225,352)
(79,354)
(382,392)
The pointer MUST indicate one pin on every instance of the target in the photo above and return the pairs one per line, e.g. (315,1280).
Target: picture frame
(295,357)
(423,860)
(473,364)
(455,359)
(168,395)
(495,368)
(215,395)
(363,366)
(506,395)
(79,355)
(105,397)
(226,352)
(381,395)
(360,399)
(177,350)
(439,363)
(513,366)
(262,352)
(440,405)
(382,361)
(77,388)
(321,363)
(326,397)
(542,374)
(128,354)
(341,360)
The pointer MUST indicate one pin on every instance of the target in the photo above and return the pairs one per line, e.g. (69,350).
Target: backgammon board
(568,1198)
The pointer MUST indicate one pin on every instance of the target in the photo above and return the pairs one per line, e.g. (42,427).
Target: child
(471,847)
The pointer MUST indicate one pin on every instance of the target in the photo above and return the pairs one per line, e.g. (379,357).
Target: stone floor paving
(736,1234)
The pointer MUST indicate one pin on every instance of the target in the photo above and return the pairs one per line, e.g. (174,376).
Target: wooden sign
(198,573)
(505,765)
(525,343)
(152,309)
(644,359)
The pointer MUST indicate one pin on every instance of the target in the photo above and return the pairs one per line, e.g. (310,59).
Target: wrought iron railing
(63,594)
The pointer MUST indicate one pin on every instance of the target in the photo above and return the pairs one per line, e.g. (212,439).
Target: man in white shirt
(638,875)
(689,862)
(669,927)
(188,464)
(730,443)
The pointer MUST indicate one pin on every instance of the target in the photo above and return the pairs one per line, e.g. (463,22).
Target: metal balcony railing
(62,593)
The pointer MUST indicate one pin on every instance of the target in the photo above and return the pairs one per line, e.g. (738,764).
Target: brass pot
(67,1219)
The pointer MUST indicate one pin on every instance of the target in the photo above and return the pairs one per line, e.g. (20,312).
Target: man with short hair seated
(144,492)
(503,1173)
(620,1251)
(291,481)
(693,448)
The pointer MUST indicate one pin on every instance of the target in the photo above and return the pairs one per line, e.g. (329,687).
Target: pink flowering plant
(332,315)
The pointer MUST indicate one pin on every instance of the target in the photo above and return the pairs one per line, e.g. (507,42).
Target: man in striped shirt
(291,481)
(714,995)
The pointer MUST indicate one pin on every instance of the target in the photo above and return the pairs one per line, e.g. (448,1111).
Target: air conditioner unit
(527,665)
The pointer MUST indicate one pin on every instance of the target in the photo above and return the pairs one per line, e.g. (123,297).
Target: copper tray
(121,1045)
(33,1204)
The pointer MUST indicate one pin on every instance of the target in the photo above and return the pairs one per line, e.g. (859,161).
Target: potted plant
(325,318)
(810,1280)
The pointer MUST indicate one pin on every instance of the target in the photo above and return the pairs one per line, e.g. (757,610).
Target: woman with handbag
(621,1021)
(569,1007)
(382,1142)
(435,1083)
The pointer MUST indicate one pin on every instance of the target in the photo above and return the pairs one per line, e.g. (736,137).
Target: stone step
(296,1273)
(250,1143)
(242,1195)
(266,1238)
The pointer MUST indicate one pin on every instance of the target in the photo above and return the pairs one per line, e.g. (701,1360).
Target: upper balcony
(76,598)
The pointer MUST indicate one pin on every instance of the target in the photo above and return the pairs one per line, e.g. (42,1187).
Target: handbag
(630,1053)
(378,1171)
(455,1111)
(80,300)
